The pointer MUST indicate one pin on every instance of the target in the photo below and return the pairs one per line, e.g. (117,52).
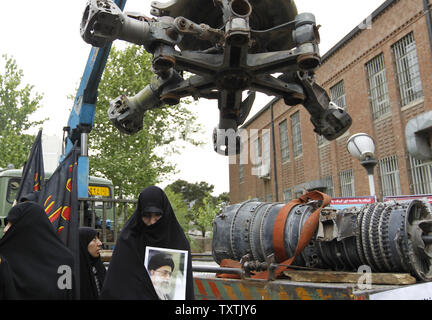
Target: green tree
(202,206)
(179,207)
(17,103)
(203,215)
(193,193)
(134,162)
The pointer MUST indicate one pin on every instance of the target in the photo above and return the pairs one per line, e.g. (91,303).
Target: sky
(44,39)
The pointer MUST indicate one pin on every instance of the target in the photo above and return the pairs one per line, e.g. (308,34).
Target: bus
(99,188)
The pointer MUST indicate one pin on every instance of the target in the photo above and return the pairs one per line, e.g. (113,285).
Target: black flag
(33,173)
(59,197)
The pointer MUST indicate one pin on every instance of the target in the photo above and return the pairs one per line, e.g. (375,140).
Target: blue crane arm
(81,118)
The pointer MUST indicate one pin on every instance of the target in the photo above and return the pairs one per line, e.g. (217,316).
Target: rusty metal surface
(266,14)
(232,289)
(211,288)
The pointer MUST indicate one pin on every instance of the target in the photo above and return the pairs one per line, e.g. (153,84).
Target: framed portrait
(167,269)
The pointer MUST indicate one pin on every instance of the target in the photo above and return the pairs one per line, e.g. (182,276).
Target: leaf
(17,104)
(134,162)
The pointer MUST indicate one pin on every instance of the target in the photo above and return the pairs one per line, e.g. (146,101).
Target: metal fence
(421,173)
(390,181)
(96,212)
(408,71)
(378,88)
(347,183)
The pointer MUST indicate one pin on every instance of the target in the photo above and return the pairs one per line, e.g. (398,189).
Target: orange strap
(306,233)
(228,263)
(308,230)
(279,229)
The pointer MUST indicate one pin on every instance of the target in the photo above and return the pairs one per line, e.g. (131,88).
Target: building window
(298,194)
(269,198)
(258,152)
(284,144)
(287,195)
(408,72)
(337,93)
(241,172)
(421,173)
(320,140)
(296,134)
(390,176)
(329,189)
(347,183)
(266,147)
(378,88)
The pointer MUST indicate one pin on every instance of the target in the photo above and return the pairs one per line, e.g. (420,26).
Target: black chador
(35,262)
(127,277)
(92,270)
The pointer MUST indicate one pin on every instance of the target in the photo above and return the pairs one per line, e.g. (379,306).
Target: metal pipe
(371,184)
(427,240)
(82,214)
(84,144)
(428,21)
(274,153)
(213,269)
(104,237)
(93,210)
(115,222)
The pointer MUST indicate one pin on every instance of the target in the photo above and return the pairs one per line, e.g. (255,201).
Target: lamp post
(362,147)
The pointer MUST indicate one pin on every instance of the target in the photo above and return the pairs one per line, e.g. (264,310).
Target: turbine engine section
(249,226)
(387,237)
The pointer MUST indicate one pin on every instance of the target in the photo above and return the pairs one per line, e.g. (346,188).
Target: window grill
(257,152)
(421,173)
(337,93)
(320,140)
(298,194)
(287,195)
(378,88)
(329,189)
(284,144)
(408,72)
(266,147)
(296,134)
(347,183)
(390,176)
(241,172)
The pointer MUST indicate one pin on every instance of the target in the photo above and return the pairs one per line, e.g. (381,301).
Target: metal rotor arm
(328,119)
(127,113)
(223,71)
(103,22)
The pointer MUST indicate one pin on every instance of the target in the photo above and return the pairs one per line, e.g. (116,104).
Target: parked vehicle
(99,188)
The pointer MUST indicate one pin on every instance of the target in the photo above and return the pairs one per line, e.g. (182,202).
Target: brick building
(383,77)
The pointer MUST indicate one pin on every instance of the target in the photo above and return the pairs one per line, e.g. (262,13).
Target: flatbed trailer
(316,285)
(212,288)
(296,284)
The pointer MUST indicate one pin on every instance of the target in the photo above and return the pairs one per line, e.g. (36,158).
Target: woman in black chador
(35,264)
(152,224)
(92,270)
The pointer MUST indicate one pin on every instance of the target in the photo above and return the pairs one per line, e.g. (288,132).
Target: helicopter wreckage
(228,47)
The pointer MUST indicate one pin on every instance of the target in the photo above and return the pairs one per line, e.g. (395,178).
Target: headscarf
(32,196)
(127,277)
(7,285)
(89,264)
(38,261)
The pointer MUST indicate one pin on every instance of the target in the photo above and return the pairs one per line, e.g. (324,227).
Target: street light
(362,147)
